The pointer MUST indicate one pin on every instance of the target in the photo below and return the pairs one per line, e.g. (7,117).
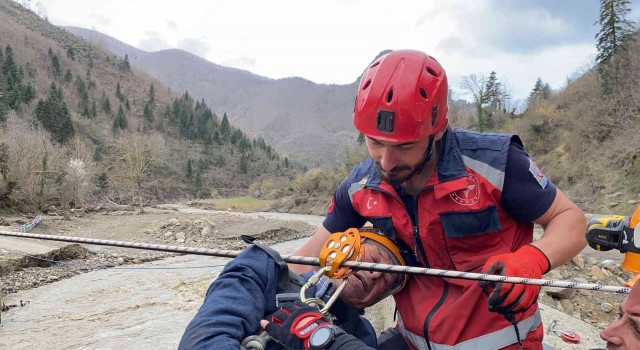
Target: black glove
(294,323)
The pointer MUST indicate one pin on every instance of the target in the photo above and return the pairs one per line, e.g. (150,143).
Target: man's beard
(392,176)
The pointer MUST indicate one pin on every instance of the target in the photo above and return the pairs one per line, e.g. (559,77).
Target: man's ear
(439,134)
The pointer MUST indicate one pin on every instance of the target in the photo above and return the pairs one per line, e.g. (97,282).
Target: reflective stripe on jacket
(459,224)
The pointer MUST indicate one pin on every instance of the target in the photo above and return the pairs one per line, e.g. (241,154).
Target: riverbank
(586,311)
(28,263)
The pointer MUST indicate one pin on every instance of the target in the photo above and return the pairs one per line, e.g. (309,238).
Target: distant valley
(307,122)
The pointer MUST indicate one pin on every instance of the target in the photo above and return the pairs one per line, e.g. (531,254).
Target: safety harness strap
(287,282)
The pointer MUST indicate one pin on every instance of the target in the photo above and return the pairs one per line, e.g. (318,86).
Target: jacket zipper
(425,327)
(417,244)
(417,241)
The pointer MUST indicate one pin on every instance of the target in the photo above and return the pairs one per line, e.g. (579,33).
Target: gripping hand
(294,323)
(511,298)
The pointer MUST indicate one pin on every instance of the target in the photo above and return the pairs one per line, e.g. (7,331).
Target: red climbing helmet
(402,97)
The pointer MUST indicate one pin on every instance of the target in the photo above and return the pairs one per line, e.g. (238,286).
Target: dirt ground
(167,225)
(24,264)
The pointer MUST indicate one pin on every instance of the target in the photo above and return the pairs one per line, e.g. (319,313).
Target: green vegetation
(243,204)
(13,92)
(100,131)
(54,115)
(105,132)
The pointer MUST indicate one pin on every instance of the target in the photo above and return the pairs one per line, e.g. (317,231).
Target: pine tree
(147,114)
(615,29)
(612,39)
(541,91)
(13,89)
(120,123)
(55,65)
(28,93)
(71,54)
(225,127)
(198,182)
(54,115)
(152,95)
(494,92)
(119,94)
(106,104)
(94,109)
(125,65)
(4,108)
(103,180)
(244,167)
(68,76)
(83,97)
(122,119)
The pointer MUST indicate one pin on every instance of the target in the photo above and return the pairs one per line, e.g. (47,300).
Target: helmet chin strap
(428,153)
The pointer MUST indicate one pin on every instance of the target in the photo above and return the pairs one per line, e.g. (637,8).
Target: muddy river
(145,306)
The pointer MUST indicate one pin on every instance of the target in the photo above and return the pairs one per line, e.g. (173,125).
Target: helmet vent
(432,72)
(423,93)
(390,96)
(366,85)
(374,64)
(434,115)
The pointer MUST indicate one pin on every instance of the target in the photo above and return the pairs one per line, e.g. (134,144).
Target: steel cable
(302,260)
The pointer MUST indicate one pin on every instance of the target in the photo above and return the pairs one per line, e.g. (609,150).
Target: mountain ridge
(289,113)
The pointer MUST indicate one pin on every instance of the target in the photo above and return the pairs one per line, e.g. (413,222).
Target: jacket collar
(452,173)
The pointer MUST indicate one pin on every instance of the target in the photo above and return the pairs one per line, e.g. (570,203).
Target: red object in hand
(510,298)
(294,323)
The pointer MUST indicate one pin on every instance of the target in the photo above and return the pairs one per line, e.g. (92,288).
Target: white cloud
(196,46)
(332,41)
(153,41)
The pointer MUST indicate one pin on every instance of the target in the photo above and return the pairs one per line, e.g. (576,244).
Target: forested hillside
(584,136)
(303,120)
(80,124)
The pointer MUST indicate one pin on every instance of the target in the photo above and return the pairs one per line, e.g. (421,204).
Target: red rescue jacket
(459,224)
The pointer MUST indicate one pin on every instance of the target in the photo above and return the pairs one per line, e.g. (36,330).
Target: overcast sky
(332,41)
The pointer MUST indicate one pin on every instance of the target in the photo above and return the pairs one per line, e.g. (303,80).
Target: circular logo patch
(469,195)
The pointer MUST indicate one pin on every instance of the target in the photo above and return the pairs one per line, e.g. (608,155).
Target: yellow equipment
(347,246)
(606,232)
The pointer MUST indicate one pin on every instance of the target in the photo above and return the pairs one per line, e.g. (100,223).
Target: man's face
(365,288)
(624,333)
(397,160)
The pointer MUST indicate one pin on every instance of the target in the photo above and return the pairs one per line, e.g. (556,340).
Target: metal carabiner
(313,280)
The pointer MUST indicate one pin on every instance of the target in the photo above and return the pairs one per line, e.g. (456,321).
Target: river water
(142,307)
(147,306)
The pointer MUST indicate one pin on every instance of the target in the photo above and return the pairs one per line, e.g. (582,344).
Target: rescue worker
(621,334)
(254,284)
(624,333)
(452,199)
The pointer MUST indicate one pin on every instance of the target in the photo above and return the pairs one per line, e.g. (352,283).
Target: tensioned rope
(303,260)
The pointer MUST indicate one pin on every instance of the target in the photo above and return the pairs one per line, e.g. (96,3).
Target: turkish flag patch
(538,174)
(331,205)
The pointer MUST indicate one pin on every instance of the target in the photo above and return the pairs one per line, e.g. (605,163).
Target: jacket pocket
(472,237)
